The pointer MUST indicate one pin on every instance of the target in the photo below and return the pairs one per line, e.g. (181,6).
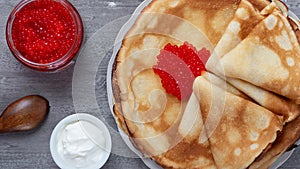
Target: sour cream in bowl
(80,141)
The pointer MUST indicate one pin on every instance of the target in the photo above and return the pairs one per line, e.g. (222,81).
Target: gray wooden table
(31,149)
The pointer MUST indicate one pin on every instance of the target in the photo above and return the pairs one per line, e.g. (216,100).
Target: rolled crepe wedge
(224,85)
(245,19)
(290,134)
(273,102)
(238,130)
(296,26)
(268,57)
(191,148)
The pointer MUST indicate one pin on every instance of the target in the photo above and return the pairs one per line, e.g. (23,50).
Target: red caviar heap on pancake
(178,66)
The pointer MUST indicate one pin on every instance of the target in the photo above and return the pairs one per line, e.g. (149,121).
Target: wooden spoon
(24,114)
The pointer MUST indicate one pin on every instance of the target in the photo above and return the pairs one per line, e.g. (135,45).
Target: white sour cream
(81,144)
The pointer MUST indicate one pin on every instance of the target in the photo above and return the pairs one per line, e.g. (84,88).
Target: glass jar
(45,35)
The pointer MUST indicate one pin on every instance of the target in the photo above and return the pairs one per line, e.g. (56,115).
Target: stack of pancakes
(243,112)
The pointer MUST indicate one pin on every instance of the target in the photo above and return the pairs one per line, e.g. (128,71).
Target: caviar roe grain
(45,31)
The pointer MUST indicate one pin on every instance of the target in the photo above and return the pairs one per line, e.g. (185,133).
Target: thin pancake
(275,103)
(290,134)
(296,27)
(245,19)
(193,152)
(225,86)
(270,58)
(259,4)
(243,131)
(174,18)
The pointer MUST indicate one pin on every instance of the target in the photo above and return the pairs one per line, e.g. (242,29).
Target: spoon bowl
(24,114)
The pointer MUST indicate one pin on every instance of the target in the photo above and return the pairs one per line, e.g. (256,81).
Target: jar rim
(63,60)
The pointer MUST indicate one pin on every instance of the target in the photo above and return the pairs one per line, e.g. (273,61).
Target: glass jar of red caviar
(45,35)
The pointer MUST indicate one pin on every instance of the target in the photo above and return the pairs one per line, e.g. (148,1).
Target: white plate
(118,42)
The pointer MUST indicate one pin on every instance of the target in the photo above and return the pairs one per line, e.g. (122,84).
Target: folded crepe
(268,58)
(279,105)
(289,135)
(191,152)
(245,19)
(296,26)
(224,85)
(273,102)
(259,4)
(241,128)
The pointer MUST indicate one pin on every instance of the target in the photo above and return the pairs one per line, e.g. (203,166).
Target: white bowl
(58,159)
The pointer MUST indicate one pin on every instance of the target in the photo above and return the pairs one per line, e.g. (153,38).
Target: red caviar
(178,66)
(45,31)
